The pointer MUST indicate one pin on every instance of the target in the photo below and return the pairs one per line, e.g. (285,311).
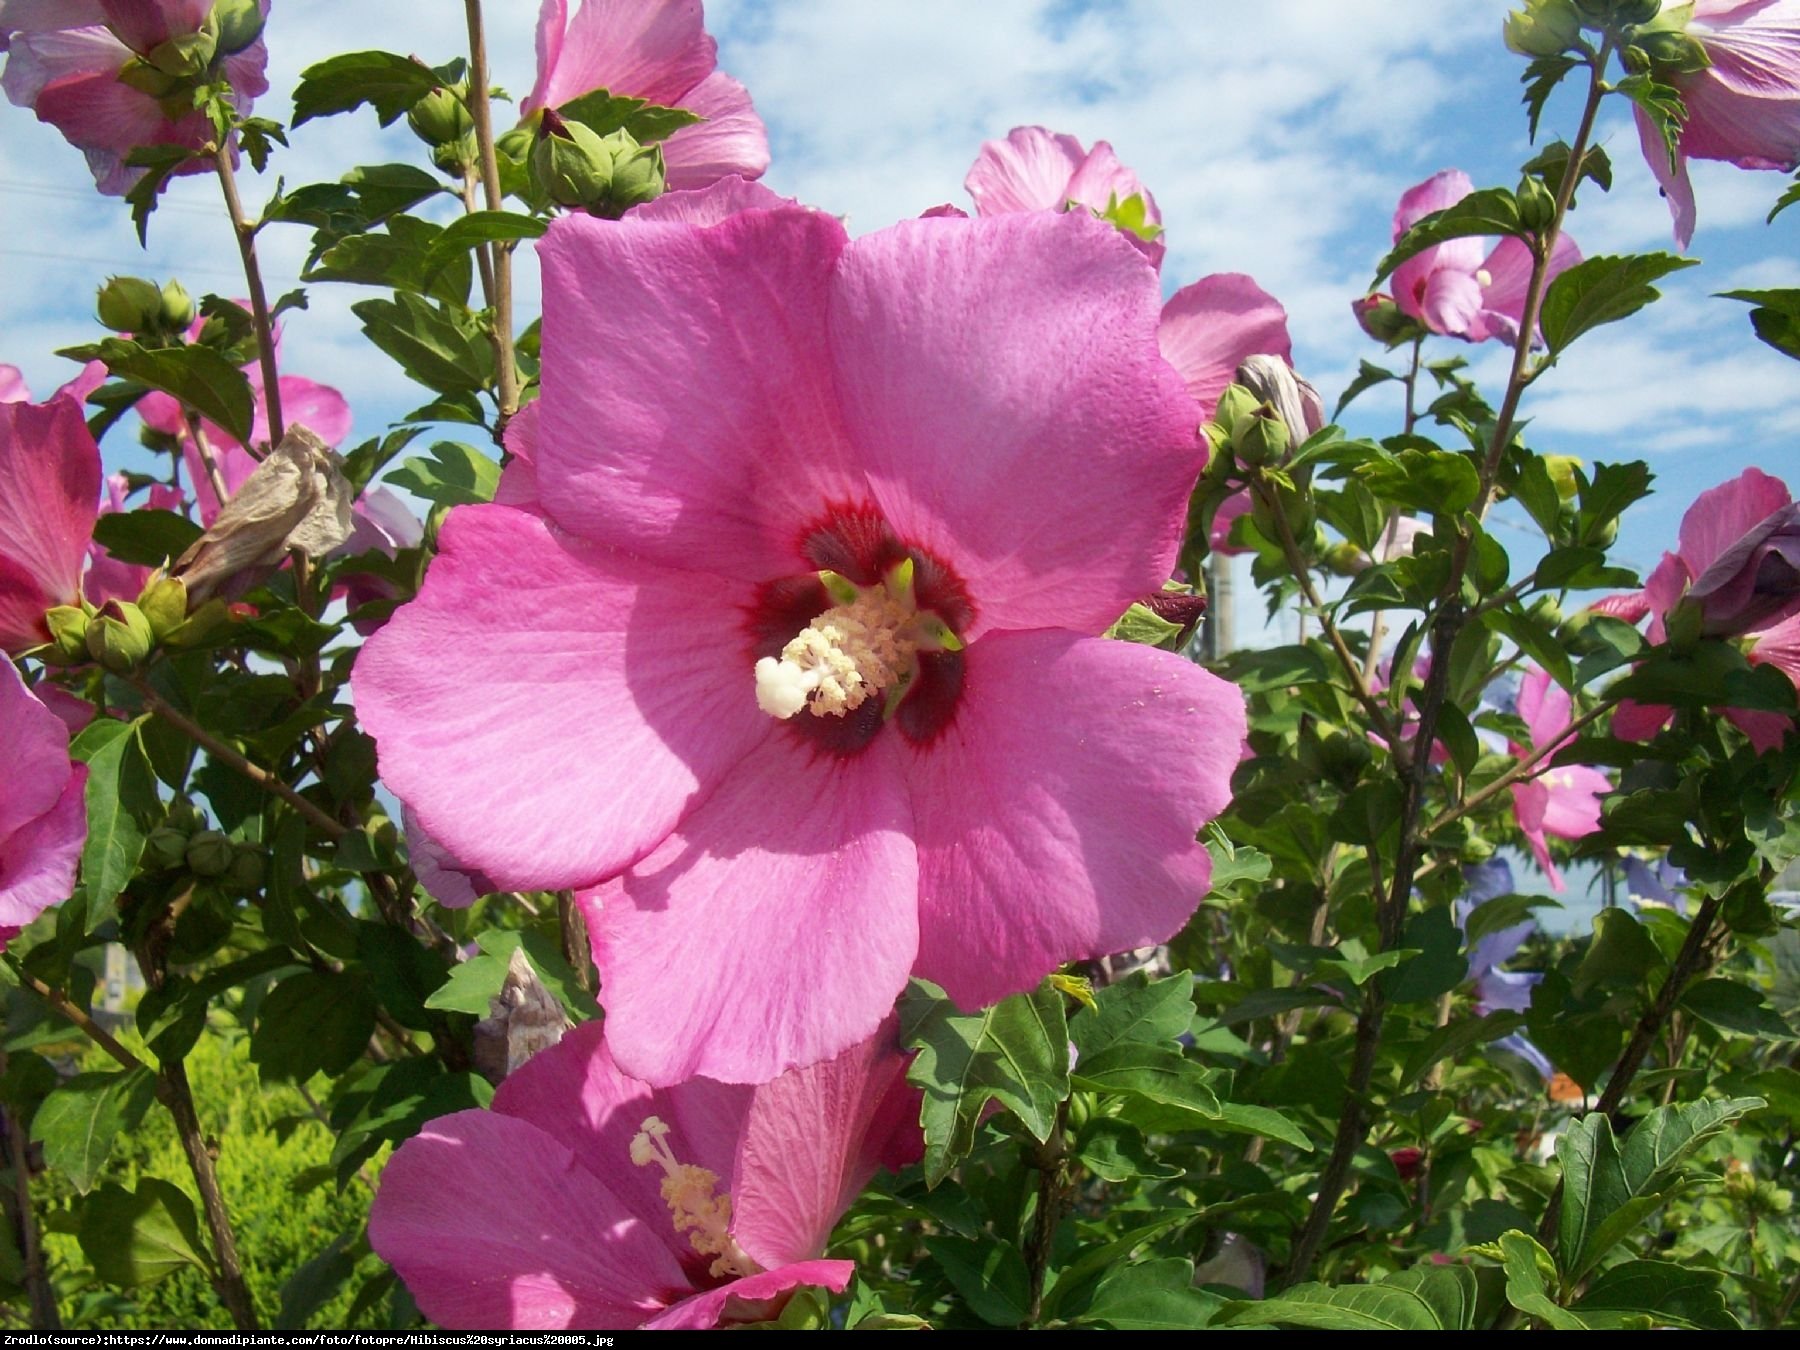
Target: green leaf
(478,227)
(1787,199)
(454,475)
(389,83)
(1425,480)
(427,343)
(196,376)
(1015,1053)
(645,121)
(314,1284)
(1368,375)
(158,162)
(1602,290)
(1451,1292)
(1143,625)
(1529,1272)
(1244,1118)
(145,537)
(1662,104)
(1453,1038)
(1734,1007)
(122,807)
(1536,492)
(1621,954)
(134,1238)
(1487,211)
(1134,1010)
(990,1276)
(361,200)
(473,983)
(1540,79)
(398,260)
(1346,1307)
(78,1122)
(1154,1295)
(1152,1072)
(1606,495)
(318,1021)
(1440,964)
(1776,318)
(1672,1296)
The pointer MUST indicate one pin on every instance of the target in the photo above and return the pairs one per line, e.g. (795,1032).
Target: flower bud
(441,118)
(238,23)
(246,872)
(578,168)
(209,854)
(176,311)
(1561,469)
(1345,559)
(164,602)
(1537,205)
(1295,401)
(1261,438)
(1543,28)
(129,305)
(1546,611)
(1235,404)
(166,846)
(1382,319)
(1672,53)
(184,56)
(119,636)
(68,625)
(1683,625)
(1630,13)
(638,174)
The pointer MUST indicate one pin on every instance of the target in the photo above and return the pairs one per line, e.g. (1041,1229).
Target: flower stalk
(500,330)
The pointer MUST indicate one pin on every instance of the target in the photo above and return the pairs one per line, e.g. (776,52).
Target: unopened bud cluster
(578,168)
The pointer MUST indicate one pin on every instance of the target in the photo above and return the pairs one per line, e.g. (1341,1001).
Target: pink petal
(577,1095)
(550,710)
(61,52)
(732,139)
(1230,510)
(1676,187)
(37,862)
(649,49)
(1631,606)
(1450,303)
(1544,707)
(1639,721)
(1443,189)
(1722,515)
(34,747)
(317,407)
(1212,327)
(144,24)
(1766,730)
(689,413)
(443,875)
(49,498)
(36,16)
(707,1310)
(551,1248)
(711,204)
(1028,171)
(1663,589)
(1745,108)
(1508,269)
(1101,179)
(1001,380)
(1530,799)
(1057,813)
(775,928)
(1778,645)
(75,712)
(1572,804)
(12,385)
(518,478)
(812,1142)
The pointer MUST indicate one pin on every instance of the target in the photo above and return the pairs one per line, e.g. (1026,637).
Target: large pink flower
(587,1198)
(1562,801)
(657,50)
(1452,288)
(799,652)
(95,70)
(1744,108)
(49,496)
(43,820)
(1035,169)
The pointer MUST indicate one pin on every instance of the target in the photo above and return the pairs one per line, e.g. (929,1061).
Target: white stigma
(848,655)
(691,1195)
(1483,278)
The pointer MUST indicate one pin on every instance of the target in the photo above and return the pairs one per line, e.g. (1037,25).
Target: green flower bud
(1383,320)
(167,845)
(238,23)
(1537,204)
(246,871)
(440,118)
(637,173)
(1261,438)
(140,75)
(164,602)
(1345,559)
(1543,28)
(68,625)
(1672,53)
(578,168)
(119,637)
(129,304)
(210,854)
(1630,13)
(1476,849)
(177,309)
(1235,404)
(186,56)
(1562,473)
(1546,611)
(1683,625)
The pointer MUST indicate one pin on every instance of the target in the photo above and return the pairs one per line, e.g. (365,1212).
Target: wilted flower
(113,75)
(1743,107)
(43,819)
(49,496)
(1035,169)
(1452,288)
(589,1199)
(808,604)
(660,51)
(1563,801)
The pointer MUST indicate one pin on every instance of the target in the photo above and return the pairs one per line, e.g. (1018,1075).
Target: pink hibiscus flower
(1035,169)
(99,72)
(826,530)
(1744,108)
(587,1198)
(49,496)
(657,50)
(1452,288)
(1562,801)
(43,819)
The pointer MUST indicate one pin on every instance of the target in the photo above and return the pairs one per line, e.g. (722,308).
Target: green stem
(244,230)
(505,375)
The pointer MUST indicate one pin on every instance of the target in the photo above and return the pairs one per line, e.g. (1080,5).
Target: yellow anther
(691,1194)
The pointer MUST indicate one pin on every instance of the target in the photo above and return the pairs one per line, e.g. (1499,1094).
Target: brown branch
(1523,769)
(244,231)
(178,1096)
(88,1026)
(208,460)
(480,112)
(1051,1160)
(40,1292)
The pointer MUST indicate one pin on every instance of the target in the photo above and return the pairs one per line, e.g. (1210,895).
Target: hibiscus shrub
(785,839)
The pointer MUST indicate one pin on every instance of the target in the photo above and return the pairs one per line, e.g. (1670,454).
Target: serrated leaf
(78,1122)
(145,537)
(1776,318)
(1662,104)
(122,806)
(1441,481)
(605,113)
(1487,211)
(389,83)
(1540,79)
(453,475)
(478,227)
(1787,199)
(990,1276)
(1348,1307)
(1135,1009)
(428,344)
(196,376)
(1600,291)
(1734,1007)
(1154,1295)
(1015,1053)
(1672,1296)
(134,1238)
(1528,1268)
(1368,375)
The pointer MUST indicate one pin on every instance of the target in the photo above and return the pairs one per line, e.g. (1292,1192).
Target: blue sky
(1276,137)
